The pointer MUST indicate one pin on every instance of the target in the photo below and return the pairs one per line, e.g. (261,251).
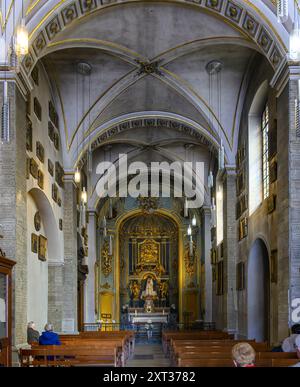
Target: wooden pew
(229,362)
(192,335)
(65,356)
(4,352)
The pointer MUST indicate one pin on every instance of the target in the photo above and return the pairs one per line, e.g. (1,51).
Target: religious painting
(37,109)
(28,160)
(50,167)
(240,157)
(51,131)
(42,248)
(243,228)
(37,221)
(34,168)
(240,276)
(213,256)
(59,174)
(56,140)
(271,204)
(220,278)
(35,75)
(54,192)
(29,135)
(52,114)
(273,172)
(40,152)
(240,182)
(34,243)
(274,266)
(40,179)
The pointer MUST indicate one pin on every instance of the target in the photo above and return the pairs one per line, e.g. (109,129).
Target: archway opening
(258,292)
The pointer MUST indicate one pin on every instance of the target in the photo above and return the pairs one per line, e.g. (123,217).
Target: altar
(139,316)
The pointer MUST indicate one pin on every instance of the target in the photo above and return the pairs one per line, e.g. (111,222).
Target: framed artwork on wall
(34,243)
(243,228)
(34,168)
(40,179)
(37,221)
(220,278)
(51,131)
(240,276)
(54,192)
(59,174)
(40,152)
(42,248)
(28,135)
(37,109)
(50,168)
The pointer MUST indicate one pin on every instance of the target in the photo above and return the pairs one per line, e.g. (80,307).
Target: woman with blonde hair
(243,355)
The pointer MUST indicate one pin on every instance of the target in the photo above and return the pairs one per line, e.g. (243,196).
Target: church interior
(147,279)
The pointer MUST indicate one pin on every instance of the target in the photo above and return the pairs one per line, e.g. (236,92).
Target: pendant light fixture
(210,180)
(186,209)
(104,224)
(189,230)
(194,221)
(22,40)
(77,176)
(191,246)
(282,11)
(84,196)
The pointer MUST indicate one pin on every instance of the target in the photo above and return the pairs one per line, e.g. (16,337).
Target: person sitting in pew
(243,355)
(32,334)
(289,344)
(297,343)
(49,337)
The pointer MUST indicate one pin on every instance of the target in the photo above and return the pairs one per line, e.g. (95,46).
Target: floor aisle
(148,355)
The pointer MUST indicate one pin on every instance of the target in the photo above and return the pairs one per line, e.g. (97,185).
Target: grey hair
(29,325)
(49,327)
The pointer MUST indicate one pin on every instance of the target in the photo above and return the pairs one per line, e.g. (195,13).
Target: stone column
(13,208)
(70,274)
(55,294)
(230,250)
(89,315)
(288,203)
(206,243)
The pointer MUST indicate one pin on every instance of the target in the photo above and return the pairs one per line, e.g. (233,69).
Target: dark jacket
(49,338)
(32,336)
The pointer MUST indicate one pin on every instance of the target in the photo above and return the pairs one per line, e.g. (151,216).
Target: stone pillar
(13,207)
(55,294)
(70,274)
(206,247)
(89,296)
(288,203)
(230,250)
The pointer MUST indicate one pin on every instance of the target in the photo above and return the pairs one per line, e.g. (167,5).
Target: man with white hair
(32,334)
(49,337)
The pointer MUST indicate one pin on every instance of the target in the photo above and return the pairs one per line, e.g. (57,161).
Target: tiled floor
(148,355)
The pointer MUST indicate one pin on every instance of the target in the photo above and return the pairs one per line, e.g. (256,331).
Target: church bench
(229,363)
(65,356)
(122,343)
(192,335)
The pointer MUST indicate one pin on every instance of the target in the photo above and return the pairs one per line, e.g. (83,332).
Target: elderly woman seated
(32,334)
(49,337)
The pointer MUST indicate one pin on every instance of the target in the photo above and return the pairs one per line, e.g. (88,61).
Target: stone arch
(258,291)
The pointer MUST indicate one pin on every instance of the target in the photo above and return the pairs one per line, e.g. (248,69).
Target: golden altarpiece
(148,267)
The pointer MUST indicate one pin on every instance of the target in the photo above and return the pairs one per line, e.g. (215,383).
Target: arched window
(265,152)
